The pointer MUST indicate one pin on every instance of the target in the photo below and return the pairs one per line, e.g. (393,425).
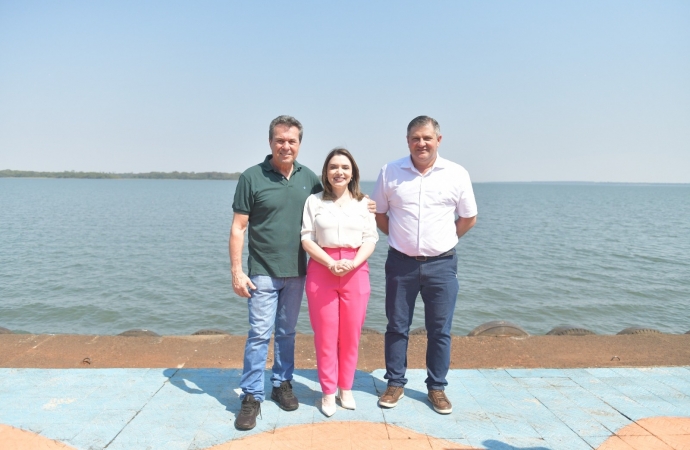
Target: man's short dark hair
(288,121)
(420,121)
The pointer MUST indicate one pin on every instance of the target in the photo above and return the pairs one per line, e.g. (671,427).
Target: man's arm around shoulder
(382,222)
(463,225)
(240,280)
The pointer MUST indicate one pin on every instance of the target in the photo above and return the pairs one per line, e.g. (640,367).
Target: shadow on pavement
(498,445)
(216,383)
(223,385)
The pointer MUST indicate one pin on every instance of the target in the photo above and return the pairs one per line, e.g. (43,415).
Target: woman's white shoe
(328,405)
(347,401)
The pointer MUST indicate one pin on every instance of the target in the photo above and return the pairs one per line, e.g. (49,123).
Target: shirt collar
(440,163)
(266,165)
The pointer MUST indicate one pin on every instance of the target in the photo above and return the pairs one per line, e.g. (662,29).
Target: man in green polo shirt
(269,200)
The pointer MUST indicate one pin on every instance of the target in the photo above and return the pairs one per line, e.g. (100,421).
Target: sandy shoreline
(225,351)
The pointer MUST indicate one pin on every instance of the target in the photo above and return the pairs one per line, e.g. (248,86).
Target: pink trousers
(337,308)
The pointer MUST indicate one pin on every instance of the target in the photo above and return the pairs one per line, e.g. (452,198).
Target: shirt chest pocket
(355,223)
(404,194)
(439,197)
(325,220)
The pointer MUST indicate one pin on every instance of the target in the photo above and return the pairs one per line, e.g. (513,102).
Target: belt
(450,252)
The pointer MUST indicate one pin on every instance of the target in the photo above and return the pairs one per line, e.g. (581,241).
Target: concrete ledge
(218,351)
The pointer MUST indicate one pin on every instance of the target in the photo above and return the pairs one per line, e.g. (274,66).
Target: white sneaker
(328,407)
(347,401)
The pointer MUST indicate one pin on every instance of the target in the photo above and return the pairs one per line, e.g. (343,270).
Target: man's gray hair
(288,121)
(420,121)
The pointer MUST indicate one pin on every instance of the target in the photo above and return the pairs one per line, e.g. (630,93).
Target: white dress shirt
(422,209)
(334,226)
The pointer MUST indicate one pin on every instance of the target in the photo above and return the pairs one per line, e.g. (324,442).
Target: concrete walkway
(496,409)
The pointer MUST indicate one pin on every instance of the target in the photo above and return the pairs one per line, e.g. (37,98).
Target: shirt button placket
(419,215)
(340,224)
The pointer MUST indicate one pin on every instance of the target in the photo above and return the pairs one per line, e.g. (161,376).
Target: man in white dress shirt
(424,204)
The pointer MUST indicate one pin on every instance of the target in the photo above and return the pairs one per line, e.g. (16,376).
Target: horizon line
(6,173)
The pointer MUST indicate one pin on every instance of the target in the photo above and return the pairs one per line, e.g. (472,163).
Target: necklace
(343,199)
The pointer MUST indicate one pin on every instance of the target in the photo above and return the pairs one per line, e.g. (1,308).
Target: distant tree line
(100,175)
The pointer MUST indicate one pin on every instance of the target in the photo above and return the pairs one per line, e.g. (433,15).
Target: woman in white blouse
(339,233)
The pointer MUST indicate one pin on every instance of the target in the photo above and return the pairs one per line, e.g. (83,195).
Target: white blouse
(333,226)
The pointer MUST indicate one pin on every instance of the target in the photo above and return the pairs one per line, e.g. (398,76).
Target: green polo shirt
(274,205)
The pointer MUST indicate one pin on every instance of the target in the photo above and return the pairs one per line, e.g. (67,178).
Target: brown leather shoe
(390,398)
(440,402)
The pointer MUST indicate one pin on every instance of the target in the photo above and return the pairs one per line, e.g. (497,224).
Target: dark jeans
(436,279)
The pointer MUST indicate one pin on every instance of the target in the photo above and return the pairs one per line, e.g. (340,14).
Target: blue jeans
(274,302)
(436,279)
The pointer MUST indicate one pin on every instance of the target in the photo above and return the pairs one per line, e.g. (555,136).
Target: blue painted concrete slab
(195,408)
(598,409)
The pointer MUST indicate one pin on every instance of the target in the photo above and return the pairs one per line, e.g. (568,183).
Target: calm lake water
(105,256)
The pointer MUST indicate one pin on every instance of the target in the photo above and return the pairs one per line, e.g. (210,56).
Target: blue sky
(524,91)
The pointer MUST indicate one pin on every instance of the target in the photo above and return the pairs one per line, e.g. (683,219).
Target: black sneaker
(246,419)
(284,397)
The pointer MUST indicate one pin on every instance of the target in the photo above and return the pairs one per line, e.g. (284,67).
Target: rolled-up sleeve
(467,205)
(308,232)
(369,233)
